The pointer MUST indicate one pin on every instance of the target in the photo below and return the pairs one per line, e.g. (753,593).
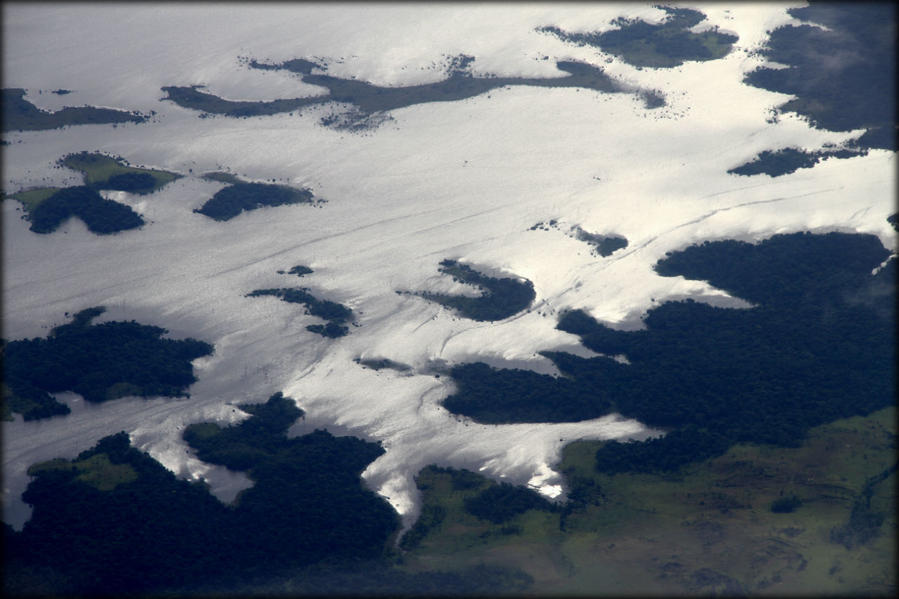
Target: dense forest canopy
(101,216)
(21,115)
(501,297)
(818,345)
(788,160)
(334,313)
(368,99)
(855,91)
(239,197)
(101,362)
(132,527)
(665,45)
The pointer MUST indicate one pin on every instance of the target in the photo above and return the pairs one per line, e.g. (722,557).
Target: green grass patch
(32,198)
(204,430)
(99,472)
(222,177)
(107,172)
(54,464)
(707,528)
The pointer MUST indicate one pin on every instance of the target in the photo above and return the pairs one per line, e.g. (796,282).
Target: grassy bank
(708,528)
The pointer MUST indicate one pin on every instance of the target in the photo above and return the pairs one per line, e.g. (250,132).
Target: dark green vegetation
(101,216)
(298,270)
(21,115)
(299,66)
(237,197)
(500,297)
(666,45)
(456,500)
(843,77)
(501,503)
(48,207)
(221,177)
(368,99)
(865,520)
(100,362)
(785,505)
(381,363)
(788,160)
(191,97)
(115,522)
(605,245)
(661,454)
(706,530)
(817,346)
(495,396)
(336,314)
(112,172)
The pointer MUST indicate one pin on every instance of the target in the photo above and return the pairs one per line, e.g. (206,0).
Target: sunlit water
(463,180)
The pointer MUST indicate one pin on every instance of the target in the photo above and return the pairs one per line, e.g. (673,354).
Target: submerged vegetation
(501,297)
(101,362)
(367,99)
(665,45)
(21,115)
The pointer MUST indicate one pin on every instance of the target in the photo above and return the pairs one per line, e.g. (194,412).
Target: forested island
(307,521)
(604,245)
(101,362)
(501,297)
(665,45)
(334,313)
(817,345)
(102,171)
(307,504)
(21,115)
(241,196)
(298,270)
(49,207)
(789,160)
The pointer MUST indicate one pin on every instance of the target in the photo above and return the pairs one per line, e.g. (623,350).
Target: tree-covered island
(100,362)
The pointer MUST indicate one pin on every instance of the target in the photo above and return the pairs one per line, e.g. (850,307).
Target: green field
(96,471)
(32,198)
(98,169)
(707,529)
